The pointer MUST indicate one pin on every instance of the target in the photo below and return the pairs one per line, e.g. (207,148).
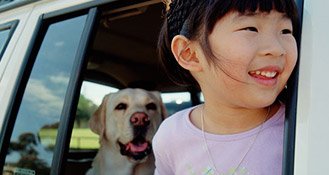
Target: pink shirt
(179,148)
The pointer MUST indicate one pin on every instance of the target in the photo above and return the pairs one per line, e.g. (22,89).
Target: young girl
(240,53)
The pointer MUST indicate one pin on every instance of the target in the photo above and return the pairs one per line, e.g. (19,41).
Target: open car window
(90,98)
(75,61)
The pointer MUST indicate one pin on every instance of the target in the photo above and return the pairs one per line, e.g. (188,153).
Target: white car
(59,57)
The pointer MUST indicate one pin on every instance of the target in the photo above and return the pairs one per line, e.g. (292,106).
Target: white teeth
(265,73)
(270,74)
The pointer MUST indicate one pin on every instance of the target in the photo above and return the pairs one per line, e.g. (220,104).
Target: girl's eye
(286,31)
(252,29)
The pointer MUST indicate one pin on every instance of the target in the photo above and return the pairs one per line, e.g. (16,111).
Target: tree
(85,110)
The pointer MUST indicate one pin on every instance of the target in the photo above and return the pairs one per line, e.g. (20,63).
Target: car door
(47,83)
(312,141)
(42,104)
(37,128)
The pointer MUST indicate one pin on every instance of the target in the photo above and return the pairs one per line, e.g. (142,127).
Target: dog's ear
(163,109)
(97,121)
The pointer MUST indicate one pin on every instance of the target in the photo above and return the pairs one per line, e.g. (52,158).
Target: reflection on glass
(40,111)
(3,38)
(5,2)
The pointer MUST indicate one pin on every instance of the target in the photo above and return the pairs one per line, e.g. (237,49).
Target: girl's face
(256,53)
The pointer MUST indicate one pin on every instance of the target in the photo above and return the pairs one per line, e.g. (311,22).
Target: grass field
(82,138)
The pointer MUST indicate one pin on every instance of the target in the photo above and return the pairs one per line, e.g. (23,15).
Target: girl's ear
(185,53)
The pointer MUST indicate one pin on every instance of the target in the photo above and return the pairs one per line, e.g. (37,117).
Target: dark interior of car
(123,53)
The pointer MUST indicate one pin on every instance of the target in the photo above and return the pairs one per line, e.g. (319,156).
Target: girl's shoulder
(175,122)
(171,128)
(278,117)
(178,117)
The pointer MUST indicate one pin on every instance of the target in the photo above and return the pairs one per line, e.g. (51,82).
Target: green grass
(82,138)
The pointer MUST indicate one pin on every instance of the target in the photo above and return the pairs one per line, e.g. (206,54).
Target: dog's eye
(121,106)
(151,106)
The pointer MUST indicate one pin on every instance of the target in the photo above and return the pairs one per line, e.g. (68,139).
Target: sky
(96,92)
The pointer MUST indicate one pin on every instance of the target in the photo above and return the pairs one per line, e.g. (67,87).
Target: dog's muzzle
(139,147)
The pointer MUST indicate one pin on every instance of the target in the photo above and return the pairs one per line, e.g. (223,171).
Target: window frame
(291,107)
(15,4)
(71,97)
(16,96)
(66,124)
(11,26)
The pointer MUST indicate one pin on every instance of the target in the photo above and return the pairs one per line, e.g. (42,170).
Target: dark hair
(195,19)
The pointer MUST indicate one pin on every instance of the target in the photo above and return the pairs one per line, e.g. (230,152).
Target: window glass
(3,38)
(4,2)
(33,138)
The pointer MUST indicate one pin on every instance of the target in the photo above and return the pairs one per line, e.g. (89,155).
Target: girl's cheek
(291,48)
(294,53)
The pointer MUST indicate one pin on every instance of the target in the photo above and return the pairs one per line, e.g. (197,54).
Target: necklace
(251,145)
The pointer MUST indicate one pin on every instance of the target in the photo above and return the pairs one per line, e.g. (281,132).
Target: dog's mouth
(137,149)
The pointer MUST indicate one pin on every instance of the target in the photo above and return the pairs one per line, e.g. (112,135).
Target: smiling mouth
(264,74)
(137,149)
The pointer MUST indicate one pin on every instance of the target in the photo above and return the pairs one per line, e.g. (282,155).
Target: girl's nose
(272,46)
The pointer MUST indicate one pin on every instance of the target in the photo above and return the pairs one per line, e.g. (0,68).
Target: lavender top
(179,148)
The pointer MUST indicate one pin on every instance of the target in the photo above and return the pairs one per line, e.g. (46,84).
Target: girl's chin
(262,102)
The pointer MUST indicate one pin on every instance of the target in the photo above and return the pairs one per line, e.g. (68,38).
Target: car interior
(123,54)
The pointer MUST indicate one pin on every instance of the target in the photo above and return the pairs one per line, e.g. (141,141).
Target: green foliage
(81,138)
(84,111)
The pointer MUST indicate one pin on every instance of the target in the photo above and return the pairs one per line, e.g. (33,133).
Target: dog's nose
(139,119)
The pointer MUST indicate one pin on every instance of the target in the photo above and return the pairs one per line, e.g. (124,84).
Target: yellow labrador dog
(126,122)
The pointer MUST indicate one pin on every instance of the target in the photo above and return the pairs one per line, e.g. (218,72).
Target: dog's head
(127,121)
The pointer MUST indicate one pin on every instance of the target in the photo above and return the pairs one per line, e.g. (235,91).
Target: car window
(6,31)
(84,143)
(121,53)
(4,2)
(31,146)
(3,37)
(176,101)
(91,96)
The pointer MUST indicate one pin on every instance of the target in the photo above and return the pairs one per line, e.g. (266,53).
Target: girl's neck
(231,121)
